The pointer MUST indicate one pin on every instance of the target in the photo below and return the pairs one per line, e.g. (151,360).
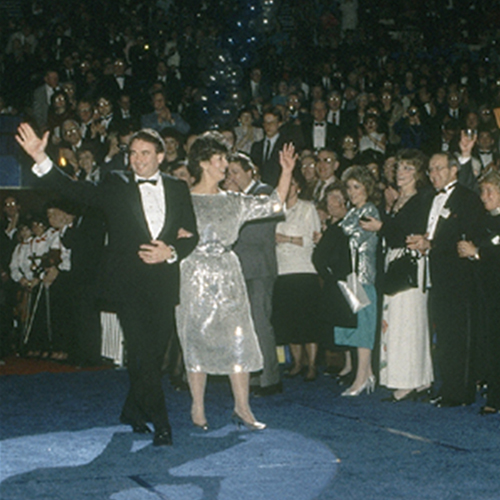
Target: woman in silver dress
(213,319)
(361,189)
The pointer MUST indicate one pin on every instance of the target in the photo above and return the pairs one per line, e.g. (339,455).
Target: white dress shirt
(438,209)
(153,203)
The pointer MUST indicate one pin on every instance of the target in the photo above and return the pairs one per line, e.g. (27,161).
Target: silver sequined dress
(213,319)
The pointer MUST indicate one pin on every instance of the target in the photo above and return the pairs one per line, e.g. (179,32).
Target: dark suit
(270,169)
(256,249)
(452,298)
(144,294)
(331,135)
(332,260)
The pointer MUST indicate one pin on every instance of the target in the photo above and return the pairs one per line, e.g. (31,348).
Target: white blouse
(302,220)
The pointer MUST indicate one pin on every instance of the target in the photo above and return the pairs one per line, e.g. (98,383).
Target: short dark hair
(243,160)
(151,136)
(202,149)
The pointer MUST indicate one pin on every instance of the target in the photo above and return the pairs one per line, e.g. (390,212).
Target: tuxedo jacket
(331,138)
(256,245)
(463,217)
(124,276)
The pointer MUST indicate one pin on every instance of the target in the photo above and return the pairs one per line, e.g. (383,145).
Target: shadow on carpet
(59,440)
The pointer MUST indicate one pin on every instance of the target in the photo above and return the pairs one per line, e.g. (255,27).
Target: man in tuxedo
(265,153)
(144,211)
(318,133)
(455,214)
(118,82)
(256,249)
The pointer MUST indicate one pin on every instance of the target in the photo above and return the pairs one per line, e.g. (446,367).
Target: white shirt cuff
(463,159)
(40,169)
(174,257)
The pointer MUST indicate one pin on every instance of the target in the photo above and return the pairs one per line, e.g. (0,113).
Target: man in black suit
(318,133)
(256,249)
(455,214)
(145,211)
(265,153)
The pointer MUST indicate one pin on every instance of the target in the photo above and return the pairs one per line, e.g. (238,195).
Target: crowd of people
(392,121)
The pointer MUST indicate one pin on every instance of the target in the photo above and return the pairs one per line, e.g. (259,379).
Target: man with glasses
(455,214)
(326,166)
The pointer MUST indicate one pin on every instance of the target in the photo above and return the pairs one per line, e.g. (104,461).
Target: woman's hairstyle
(299,178)
(337,186)
(491,177)
(55,95)
(416,159)
(244,161)
(202,149)
(362,174)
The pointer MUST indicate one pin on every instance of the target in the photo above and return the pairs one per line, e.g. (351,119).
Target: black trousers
(146,329)
(452,312)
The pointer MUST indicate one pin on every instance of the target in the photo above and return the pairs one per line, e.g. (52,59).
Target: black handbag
(401,274)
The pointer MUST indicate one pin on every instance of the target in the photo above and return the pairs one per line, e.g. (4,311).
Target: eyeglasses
(438,168)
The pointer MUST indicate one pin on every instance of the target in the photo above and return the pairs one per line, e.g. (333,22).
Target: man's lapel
(168,207)
(136,204)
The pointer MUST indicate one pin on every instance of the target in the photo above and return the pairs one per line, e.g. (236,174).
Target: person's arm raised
(31,143)
(288,158)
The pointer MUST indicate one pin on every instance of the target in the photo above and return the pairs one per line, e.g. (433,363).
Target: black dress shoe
(487,410)
(268,390)
(163,438)
(441,402)
(407,397)
(346,379)
(141,428)
(138,426)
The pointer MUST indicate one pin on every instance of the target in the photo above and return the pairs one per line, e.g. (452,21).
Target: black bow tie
(147,181)
(484,152)
(318,124)
(444,190)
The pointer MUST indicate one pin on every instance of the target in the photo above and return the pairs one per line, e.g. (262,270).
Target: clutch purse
(354,293)
(352,289)
(401,274)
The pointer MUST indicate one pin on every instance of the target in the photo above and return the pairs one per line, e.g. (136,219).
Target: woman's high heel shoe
(251,426)
(203,427)
(369,386)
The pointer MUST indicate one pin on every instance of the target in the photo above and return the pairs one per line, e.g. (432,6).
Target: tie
(319,124)
(267,150)
(147,181)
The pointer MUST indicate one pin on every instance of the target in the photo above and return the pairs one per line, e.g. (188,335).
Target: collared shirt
(272,141)
(153,203)
(319,190)
(334,117)
(249,187)
(438,208)
(319,135)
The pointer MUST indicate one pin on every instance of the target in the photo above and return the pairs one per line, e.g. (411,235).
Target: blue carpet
(59,439)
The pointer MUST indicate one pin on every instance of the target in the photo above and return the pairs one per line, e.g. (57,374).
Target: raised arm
(31,143)
(288,158)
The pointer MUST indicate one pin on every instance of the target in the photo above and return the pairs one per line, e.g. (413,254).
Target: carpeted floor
(59,439)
